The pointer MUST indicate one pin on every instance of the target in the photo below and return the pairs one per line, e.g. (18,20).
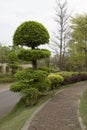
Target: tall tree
(79,36)
(59,42)
(31,34)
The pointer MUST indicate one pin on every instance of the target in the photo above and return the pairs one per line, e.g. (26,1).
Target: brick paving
(60,113)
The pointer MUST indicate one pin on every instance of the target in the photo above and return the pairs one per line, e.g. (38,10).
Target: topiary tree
(32,34)
(31,82)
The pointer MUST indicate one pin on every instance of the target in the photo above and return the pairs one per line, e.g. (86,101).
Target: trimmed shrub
(43,86)
(45,68)
(30,78)
(31,75)
(17,87)
(65,74)
(55,80)
(23,75)
(30,96)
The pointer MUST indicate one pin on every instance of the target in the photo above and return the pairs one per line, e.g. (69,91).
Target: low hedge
(65,74)
(76,78)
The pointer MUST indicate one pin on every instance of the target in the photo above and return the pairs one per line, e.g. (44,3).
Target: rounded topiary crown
(31,34)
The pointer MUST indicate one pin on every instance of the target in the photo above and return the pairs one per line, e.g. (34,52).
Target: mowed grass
(83,108)
(18,116)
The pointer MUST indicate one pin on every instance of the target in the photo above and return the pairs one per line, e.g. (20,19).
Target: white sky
(14,12)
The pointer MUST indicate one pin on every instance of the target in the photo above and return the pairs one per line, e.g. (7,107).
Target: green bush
(17,87)
(30,96)
(55,80)
(43,86)
(45,68)
(24,75)
(30,78)
(29,74)
(65,74)
(34,54)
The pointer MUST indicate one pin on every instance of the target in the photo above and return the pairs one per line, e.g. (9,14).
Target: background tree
(61,36)
(78,43)
(4,50)
(31,34)
(13,61)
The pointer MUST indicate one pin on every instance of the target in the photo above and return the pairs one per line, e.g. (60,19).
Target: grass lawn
(83,108)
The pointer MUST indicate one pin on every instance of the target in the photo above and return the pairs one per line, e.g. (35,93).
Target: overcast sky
(14,12)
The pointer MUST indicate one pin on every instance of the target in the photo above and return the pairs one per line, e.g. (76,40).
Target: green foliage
(77,46)
(30,96)
(42,86)
(67,74)
(31,75)
(31,34)
(17,86)
(83,107)
(31,79)
(39,75)
(24,75)
(13,61)
(30,55)
(6,78)
(56,80)
(4,50)
(72,77)
(45,68)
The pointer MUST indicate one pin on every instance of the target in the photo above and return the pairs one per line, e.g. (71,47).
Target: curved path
(60,113)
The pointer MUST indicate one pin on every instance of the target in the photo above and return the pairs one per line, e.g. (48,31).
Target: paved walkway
(4,86)
(8,99)
(60,113)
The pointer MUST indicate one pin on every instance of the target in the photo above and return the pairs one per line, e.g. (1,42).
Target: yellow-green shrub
(55,80)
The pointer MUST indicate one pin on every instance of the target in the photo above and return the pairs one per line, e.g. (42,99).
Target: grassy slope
(83,108)
(17,117)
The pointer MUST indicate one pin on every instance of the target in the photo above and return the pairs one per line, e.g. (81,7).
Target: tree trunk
(34,63)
